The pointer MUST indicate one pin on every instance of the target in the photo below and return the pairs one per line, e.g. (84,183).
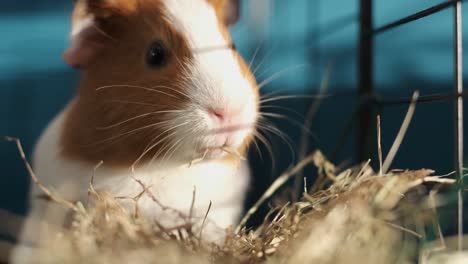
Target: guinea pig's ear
(106,8)
(87,41)
(231,11)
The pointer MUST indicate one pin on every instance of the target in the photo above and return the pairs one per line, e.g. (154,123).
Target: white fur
(216,79)
(195,19)
(220,183)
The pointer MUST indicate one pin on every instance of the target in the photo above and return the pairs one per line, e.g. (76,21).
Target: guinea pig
(164,100)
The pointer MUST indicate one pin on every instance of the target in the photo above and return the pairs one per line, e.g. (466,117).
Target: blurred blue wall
(298,38)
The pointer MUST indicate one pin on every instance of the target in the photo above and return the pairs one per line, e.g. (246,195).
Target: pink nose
(217,113)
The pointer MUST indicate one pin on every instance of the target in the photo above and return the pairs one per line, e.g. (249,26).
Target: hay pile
(350,216)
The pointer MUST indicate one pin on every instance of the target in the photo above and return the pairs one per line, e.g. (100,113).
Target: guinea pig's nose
(217,113)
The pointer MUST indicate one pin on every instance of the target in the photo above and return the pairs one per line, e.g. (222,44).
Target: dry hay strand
(350,216)
(360,217)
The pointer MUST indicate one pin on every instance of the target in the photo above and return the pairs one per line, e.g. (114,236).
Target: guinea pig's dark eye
(157,55)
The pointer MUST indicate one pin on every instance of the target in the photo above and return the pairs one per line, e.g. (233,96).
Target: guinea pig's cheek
(250,116)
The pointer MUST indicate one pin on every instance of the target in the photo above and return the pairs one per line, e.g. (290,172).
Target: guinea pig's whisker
(263,60)
(278,133)
(255,54)
(287,109)
(273,48)
(191,78)
(160,152)
(183,65)
(147,150)
(265,72)
(132,102)
(137,117)
(275,131)
(165,150)
(174,148)
(149,144)
(172,89)
(272,114)
(277,91)
(152,141)
(286,97)
(130,132)
(161,140)
(267,145)
(262,123)
(134,86)
(290,120)
(255,143)
(153,158)
(277,75)
(281,72)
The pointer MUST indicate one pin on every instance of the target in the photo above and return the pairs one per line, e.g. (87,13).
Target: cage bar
(365,78)
(458,117)
(421,14)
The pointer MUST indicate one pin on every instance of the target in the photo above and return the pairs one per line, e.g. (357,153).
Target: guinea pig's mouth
(229,129)
(222,141)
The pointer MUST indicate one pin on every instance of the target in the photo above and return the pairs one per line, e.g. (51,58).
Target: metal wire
(365,83)
(365,77)
(422,99)
(388,100)
(424,13)
(458,117)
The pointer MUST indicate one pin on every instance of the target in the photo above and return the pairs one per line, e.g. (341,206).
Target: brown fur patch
(123,63)
(106,8)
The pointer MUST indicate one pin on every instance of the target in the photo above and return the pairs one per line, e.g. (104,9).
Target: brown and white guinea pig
(161,86)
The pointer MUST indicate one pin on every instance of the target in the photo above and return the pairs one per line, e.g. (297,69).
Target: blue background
(300,35)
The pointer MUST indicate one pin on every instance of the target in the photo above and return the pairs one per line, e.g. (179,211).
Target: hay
(350,216)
